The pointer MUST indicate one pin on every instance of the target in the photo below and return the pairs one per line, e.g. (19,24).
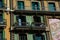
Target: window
(20,5)
(38,20)
(51,6)
(1,17)
(38,37)
(1,4)
(22,37)
(35,6)
(21,20)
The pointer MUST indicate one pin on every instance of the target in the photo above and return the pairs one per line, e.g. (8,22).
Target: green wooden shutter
(42,20)
(44,35)
(29,36)
(16,37)
(14,18)
(3,35)
(29,19)
(38,5)
(3,16)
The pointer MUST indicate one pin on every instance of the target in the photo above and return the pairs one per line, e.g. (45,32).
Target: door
(37,20)
(18,20)
(21,20)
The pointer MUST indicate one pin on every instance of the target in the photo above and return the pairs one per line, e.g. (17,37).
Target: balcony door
(21,20)
(37,20)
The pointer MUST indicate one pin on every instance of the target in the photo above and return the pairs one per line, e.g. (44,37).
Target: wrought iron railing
(38,24)
(21,24)
(33,24)
(56,9)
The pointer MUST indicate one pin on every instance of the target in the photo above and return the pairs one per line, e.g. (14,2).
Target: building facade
(28,19)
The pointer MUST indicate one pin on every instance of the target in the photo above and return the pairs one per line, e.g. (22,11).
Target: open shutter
(42,19)
(3,35)
(29,36)
(14,18)
(29,19)
(16,37)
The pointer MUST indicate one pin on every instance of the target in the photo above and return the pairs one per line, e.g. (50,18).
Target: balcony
(38,26)
(3,24)
(21,26)
(42,11)
(27,26)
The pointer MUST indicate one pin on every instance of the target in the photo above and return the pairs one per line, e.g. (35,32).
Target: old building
(28,19)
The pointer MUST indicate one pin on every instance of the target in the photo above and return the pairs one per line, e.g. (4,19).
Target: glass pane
(35,6)
(51,6)
(37,37)
(1,4)
(21,20)
(18,20)
(20,5)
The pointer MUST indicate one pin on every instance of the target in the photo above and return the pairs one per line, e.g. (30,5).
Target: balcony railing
(38,25)
(21,24)
(43,10)
(3,23)
(25,25)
